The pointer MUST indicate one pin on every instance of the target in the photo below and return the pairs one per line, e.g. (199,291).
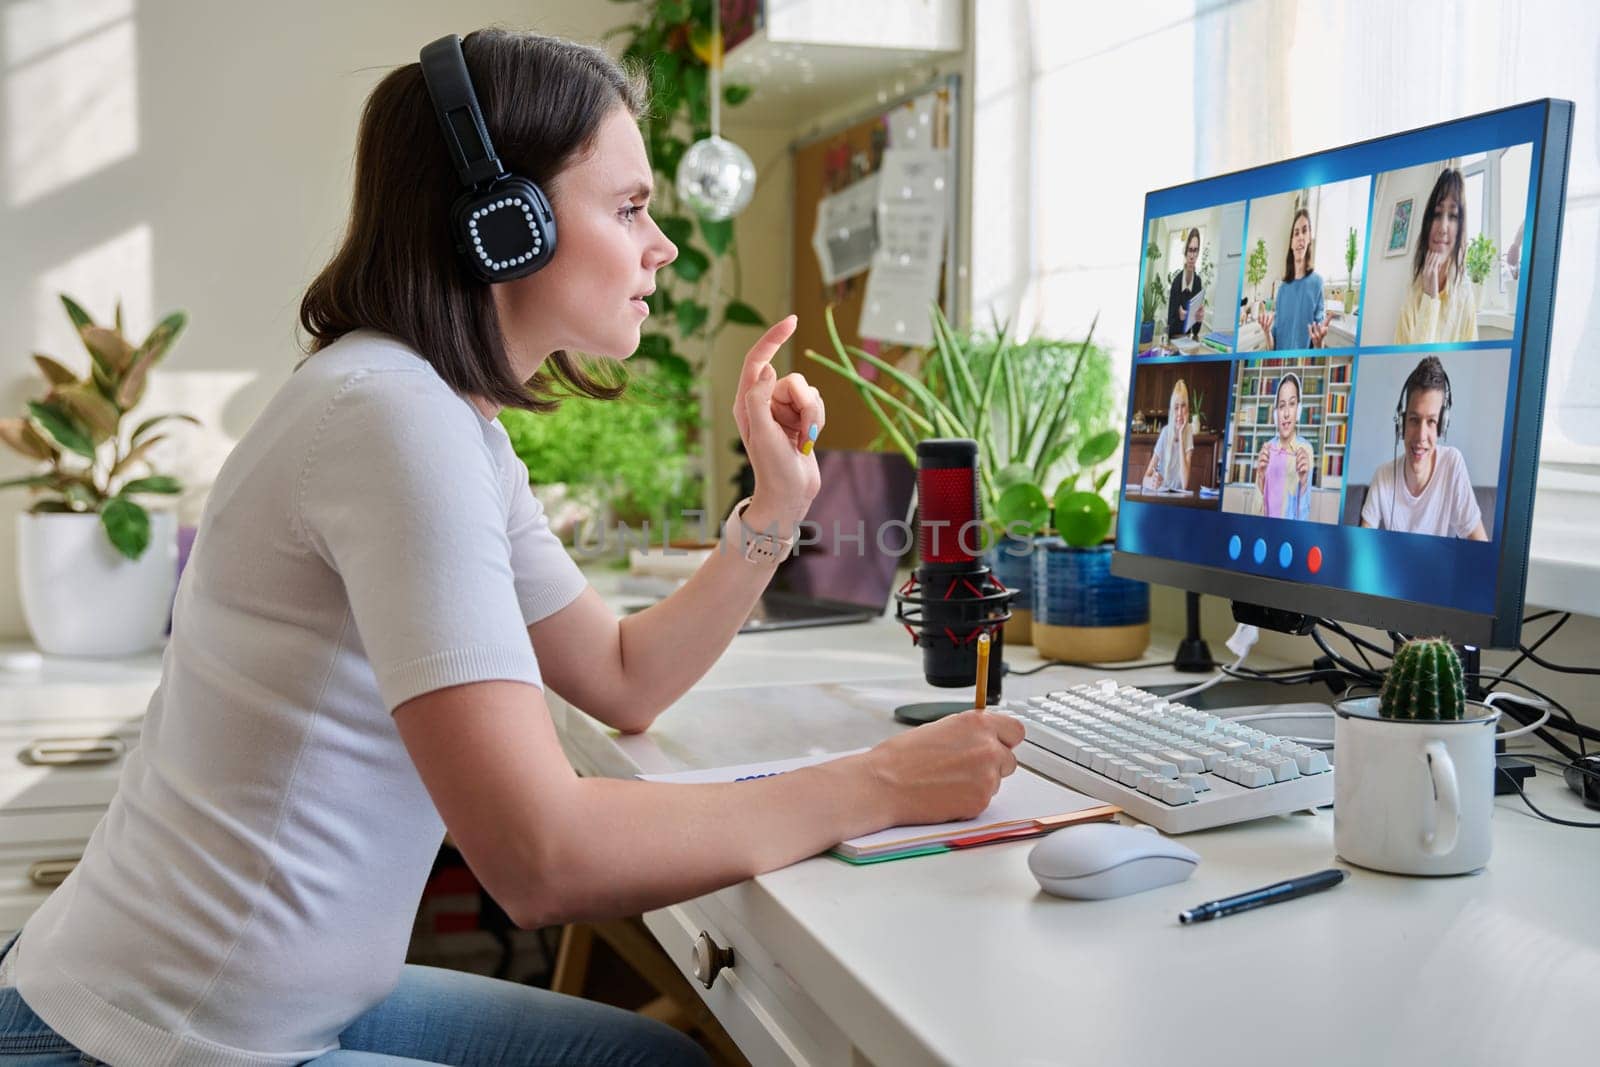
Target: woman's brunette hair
(1449,183)
(1311,245)
(397,270)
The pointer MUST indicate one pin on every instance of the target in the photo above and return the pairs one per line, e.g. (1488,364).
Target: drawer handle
(68,751)
(47,874)
(709,959)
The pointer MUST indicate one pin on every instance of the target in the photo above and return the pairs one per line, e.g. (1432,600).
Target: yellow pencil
(983,671)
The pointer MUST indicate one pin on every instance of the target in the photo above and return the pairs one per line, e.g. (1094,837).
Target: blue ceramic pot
(1012,562)
(1083,612)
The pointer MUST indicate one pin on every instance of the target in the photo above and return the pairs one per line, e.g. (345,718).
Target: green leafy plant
(1481,253)
(1041,411)
(76,430)
(1256,268)
(630,453)
(1424,682)
(1154,295)
(1208,269)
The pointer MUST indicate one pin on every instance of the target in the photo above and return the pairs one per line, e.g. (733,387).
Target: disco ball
(716,178)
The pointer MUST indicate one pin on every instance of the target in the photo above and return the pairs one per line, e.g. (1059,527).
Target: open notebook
(1026,806)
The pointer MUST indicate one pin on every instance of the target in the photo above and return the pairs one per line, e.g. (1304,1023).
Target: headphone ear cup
(506,232)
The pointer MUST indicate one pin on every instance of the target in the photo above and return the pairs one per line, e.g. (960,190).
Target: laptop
(838,578)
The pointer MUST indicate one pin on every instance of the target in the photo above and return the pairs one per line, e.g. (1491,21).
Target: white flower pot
(81,597)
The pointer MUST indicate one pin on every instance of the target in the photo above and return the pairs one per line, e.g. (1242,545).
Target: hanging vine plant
(674,42)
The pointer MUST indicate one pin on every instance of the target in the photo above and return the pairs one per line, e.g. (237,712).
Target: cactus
(1425,682)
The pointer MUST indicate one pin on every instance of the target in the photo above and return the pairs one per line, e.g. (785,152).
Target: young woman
(1440,307)
(1185,286)
(1169,463)
(363,634)
(1283,466)
(1299,320)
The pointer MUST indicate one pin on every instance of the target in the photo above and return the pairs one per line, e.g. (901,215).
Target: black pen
(1294,887)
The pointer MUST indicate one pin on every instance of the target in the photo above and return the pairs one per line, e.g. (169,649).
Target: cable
(1528,653)
(1520,659)
(1572,725)
(1535,808)
(1243,640)
(1354,639)
(1526,728)
(1089,666)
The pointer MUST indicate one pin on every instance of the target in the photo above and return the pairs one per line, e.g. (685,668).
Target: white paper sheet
(846,233)
(912,216)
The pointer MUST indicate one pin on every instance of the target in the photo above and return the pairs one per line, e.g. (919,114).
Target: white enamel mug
(1413,796)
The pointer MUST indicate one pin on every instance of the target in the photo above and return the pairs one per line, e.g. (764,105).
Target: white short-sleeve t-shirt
(1446,507)
(252,887)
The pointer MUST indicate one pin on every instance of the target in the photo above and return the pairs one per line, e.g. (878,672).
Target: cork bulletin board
(825,166)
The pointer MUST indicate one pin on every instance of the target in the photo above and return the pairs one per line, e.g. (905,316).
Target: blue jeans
(435,1017)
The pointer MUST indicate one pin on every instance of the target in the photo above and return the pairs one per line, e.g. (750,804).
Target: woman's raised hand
(1432,266)
(779,420)
(1317,331)
(1302,465)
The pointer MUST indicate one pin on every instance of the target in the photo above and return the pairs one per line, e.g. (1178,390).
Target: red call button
(1314,559)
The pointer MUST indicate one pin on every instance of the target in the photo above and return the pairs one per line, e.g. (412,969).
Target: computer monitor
(1339,378)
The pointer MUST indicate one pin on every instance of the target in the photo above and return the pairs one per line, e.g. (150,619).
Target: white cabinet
(65,734)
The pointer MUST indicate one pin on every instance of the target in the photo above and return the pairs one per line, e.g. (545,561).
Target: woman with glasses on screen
(1299,319)
(1169,463)
(1186,286)
(1440,307)
(1283,466)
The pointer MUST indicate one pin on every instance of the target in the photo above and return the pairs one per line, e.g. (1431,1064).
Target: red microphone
(952,597)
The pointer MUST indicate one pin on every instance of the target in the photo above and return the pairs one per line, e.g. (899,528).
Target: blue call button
(1235,546)
(1261,550)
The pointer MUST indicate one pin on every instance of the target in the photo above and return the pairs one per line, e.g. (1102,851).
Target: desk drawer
(37,851)
(62,764)
(767,1015)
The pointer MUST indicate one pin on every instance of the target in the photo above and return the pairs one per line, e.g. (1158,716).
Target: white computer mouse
(1100,860)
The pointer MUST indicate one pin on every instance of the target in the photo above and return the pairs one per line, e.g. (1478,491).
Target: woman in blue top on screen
(1299,320)
(1185,287)
(1169,463)
(1283,466)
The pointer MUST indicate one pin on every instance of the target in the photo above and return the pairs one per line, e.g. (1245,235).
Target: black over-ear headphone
(1405,398)
(502,224)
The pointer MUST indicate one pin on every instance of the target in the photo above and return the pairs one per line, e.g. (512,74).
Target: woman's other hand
(1317,331)
(946,770)
(1265,319)
(779,420)
(1302,464)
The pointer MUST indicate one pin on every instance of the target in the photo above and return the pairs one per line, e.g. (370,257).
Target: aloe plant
(1039,409)
(1425,682)
(75,430)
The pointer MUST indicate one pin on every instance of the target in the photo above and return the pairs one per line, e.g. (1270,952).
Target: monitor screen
(1338,377)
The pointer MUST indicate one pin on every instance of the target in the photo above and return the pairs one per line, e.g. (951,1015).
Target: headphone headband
(444,70)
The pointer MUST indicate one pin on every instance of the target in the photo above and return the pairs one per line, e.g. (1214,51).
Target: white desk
(959,958)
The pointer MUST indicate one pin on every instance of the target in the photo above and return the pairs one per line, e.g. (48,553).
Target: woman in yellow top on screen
(1299,320)
(1283,466)
(1169,463)
(1441,307)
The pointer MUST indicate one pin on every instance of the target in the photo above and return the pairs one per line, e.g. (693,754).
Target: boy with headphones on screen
(1430,492)
(373,608)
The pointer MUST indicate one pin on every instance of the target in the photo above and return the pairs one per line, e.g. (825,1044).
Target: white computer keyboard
(1165,763)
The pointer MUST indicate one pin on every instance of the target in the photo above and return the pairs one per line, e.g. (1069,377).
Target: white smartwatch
(757,546)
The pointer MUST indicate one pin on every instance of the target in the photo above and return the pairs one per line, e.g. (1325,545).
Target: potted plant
(1255,271)
(1033,406)
(1154,295)
(97,568)
(1481,253)
(1352,288)
(1081,611)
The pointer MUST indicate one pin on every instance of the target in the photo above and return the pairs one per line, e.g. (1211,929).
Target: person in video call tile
(1299,321)
(1428,491)
(1185,284)
(1441,307)
(1283,466)
(1169,463)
